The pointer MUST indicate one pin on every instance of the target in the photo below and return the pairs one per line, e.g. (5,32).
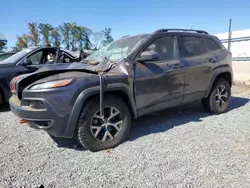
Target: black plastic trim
(90,92)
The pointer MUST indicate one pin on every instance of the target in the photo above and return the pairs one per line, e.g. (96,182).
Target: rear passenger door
(198,63)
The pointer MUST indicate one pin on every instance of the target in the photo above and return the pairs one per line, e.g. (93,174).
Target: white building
(238,48)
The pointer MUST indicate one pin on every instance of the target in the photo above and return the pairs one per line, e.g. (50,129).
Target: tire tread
(208,103)
(81,127)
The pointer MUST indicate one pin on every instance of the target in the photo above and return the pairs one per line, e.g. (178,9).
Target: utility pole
(229,35)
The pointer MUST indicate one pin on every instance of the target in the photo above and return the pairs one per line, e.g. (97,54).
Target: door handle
(177,66)
(212,60)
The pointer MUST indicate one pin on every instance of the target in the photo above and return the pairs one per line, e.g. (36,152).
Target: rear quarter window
(192,46)
(212,44)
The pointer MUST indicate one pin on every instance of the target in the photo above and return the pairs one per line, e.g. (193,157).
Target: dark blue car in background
(29,60)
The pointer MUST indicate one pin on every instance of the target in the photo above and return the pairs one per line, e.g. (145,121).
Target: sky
(125,17)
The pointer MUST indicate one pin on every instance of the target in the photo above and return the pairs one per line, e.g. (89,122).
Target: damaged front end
(45,99)
(52,73)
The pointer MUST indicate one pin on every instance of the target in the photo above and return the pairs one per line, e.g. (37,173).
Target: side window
(166,47)
(193,46)
(211,44)
(36,57)
(49,56)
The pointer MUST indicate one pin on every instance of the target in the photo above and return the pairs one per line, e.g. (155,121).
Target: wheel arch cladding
(91,93)
(123,95)
(227,75)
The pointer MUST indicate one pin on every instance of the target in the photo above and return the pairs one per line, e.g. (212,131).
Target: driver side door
(36,60)
(159,83)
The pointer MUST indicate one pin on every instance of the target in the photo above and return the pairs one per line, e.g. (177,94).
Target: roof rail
(177,30)
(125,36)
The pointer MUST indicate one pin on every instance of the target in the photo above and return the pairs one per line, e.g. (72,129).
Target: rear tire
(95,134)
(219,98)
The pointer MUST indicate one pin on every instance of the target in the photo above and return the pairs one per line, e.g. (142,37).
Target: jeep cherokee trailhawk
(95,100)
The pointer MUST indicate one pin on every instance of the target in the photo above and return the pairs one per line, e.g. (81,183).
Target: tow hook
(101,95)
(100,73)
(22,121)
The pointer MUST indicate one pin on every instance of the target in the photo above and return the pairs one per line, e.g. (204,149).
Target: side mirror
(148,56)
(25,62)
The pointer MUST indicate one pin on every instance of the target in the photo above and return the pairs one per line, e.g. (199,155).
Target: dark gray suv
(95,100)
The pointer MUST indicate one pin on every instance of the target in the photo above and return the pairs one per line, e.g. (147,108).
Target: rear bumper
(43,117)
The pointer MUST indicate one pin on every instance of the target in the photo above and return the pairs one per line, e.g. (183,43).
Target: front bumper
(43,116)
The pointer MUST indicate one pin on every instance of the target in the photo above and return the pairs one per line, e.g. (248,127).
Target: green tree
(33,33)
(65,32)
(96,39)
(45,30)
(79,37)
(71,35)
(2,46)
(56,37)
(74,35)
(22,42)
(87,34)
(107,36)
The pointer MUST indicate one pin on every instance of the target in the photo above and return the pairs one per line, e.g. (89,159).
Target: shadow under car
(161,121)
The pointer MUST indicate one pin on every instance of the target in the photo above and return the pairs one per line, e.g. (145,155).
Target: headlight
(52,84)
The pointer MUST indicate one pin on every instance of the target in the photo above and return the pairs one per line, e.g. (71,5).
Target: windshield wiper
(107,60)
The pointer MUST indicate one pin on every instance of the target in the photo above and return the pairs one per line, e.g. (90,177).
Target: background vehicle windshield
(117,49)
(16,56)
(5,56)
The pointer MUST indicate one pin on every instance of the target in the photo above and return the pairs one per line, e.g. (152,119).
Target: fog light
(36,104)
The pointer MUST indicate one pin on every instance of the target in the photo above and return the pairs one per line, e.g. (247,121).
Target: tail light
(13,84)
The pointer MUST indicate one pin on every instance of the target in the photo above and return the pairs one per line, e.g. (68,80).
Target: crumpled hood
(75,66)
(55,70)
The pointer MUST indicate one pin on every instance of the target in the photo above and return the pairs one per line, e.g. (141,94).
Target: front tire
(219,98)
(94,133)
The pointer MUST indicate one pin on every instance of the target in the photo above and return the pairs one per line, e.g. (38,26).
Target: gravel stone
(180,148)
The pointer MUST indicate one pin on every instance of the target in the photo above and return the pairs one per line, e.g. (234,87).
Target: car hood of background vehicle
(76,66)
(6,65)
(5,70)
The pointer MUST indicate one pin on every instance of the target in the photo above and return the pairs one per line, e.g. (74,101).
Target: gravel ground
(183,147)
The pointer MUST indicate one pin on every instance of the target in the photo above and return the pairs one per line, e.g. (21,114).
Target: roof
(2,38)
(33,47)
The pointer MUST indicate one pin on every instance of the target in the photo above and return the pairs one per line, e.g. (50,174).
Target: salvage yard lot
(183,147)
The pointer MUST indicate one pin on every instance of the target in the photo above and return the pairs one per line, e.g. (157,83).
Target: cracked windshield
(117,50)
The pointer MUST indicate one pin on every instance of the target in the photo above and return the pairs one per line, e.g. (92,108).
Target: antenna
(229,35)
